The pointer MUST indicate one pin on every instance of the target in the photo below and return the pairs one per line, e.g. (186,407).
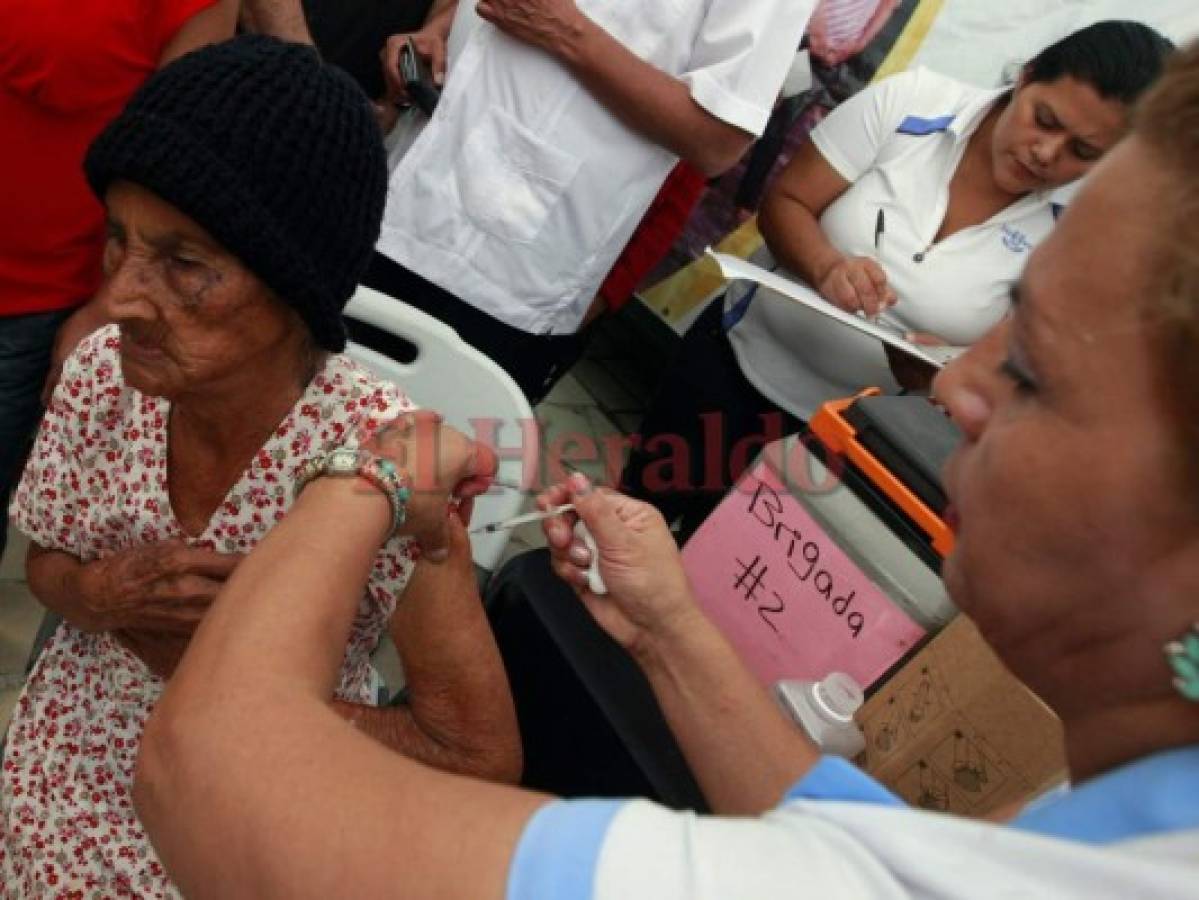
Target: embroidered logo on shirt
(1015,240)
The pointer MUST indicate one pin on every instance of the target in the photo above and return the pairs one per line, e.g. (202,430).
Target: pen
(523,519)
(880,227)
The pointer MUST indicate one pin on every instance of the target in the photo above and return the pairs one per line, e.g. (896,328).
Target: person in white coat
(558,122)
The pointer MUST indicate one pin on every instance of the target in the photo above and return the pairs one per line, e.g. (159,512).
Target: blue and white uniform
(898,144)
(1133,832)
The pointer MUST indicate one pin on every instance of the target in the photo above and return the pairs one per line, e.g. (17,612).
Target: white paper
(733,267)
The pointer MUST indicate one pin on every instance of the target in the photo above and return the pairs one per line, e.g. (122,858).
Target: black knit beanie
(275,154)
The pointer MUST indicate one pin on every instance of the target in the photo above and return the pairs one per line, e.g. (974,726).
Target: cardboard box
(954,731)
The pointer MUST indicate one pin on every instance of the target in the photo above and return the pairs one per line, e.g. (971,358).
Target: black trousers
(704,427)
(26,344)
(535,361)
(351,33)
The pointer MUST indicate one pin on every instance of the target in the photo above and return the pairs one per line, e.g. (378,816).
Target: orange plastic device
(840,437)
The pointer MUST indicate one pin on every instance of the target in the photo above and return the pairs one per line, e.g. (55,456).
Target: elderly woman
(244,186)
(1077,557)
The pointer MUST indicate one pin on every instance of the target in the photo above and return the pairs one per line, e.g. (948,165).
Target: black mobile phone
(418,79)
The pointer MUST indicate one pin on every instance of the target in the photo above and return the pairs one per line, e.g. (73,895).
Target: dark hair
(1119,59)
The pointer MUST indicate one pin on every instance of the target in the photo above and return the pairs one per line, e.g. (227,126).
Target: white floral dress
(96,483)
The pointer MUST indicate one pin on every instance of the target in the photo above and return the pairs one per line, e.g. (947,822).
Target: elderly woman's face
(191,315)
(1069,489)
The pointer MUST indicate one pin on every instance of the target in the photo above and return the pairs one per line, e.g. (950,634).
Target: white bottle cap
(838,696)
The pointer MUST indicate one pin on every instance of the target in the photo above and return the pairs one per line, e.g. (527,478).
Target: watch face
(342,462)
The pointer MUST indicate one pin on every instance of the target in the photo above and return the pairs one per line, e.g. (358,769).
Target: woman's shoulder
(370,397)
(94,366)
(90,401)
(103,343)
(925,93)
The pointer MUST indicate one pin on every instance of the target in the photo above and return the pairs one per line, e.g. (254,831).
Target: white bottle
(824,709)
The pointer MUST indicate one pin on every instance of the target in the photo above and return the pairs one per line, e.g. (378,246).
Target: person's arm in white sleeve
(841,149)
(695,117)
(742,750)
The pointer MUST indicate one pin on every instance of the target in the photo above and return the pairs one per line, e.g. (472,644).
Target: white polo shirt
(898,143)
(523,189)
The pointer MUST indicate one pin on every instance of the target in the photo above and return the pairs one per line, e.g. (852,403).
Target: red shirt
(67,67)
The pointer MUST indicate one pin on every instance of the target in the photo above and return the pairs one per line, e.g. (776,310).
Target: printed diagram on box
(961,774)
(886,732)
(924,787)
(914,705)
(923,703)
(938,758)
(969,765)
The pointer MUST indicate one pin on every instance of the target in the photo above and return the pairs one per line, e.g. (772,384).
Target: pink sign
(785,595)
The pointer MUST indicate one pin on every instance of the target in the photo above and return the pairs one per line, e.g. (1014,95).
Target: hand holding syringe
(594,581)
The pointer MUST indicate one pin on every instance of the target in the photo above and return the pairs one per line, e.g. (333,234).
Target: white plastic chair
(467,388)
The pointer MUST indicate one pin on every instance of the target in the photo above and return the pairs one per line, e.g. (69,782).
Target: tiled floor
(582,411)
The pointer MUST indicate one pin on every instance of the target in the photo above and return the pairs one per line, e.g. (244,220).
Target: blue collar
(1154,795)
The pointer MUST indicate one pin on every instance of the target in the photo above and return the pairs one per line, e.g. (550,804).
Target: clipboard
(735,268)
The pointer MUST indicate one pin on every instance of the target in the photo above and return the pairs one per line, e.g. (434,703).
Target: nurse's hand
(648,598)
(857,284)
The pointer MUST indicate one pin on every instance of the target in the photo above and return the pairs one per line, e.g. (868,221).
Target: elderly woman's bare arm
(246,720)
(459,714)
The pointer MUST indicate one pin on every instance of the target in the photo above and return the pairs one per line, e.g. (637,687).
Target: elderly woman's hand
(165,587)
(444,465)
(648,598)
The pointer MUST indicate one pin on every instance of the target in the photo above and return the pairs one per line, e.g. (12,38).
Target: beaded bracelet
(382,473)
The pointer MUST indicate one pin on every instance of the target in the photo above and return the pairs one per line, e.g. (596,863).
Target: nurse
(918,201)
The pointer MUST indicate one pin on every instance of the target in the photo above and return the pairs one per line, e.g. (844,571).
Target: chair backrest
(470,390)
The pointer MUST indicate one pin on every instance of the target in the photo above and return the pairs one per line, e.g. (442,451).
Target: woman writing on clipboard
(917,201)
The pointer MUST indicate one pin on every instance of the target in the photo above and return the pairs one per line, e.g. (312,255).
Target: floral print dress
(96,484)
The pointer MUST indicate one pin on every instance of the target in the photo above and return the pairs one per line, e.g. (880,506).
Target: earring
(1183,657)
